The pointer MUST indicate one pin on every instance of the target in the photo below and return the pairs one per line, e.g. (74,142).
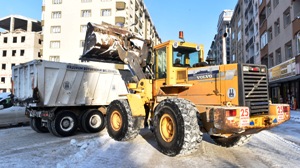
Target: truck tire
(121,126)
(231,141)
(176,127)
(53,132)
(93,121)
(37,126)
(64,124)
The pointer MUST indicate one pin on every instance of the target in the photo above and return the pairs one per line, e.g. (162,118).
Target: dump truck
(179,96)
(62,97)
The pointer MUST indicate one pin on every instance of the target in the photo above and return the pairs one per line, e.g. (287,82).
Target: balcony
(262,5)
(263,26)
(120,5)
(120,20)
(296,26)
(264,51)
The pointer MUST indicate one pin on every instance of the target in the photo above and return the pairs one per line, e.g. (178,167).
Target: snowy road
(22,147)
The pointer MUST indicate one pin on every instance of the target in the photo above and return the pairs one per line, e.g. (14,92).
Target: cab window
(185,57)
(161,63)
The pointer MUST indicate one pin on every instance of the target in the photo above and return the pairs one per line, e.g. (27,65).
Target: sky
(196,18)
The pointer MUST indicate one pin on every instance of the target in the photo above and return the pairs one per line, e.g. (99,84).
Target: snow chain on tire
(130,125)
(191,131)
(232,141)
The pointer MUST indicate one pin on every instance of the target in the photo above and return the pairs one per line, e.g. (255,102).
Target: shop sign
(283,70)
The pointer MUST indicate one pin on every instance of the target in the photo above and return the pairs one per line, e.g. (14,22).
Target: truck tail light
(286,109)
(230,113)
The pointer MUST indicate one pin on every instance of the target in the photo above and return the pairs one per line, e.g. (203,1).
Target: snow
(266,149)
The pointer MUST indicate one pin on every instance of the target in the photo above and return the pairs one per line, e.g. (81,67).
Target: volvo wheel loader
(179,95)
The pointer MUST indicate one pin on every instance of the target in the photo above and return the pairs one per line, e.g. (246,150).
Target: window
(277,27)
(269,9)
(55,29)
(263,40)
(86,1)
(278,56)
(14,52)
(286,18)
(54,44)
(270,34)
(83,28)
(86,13)
(271,60)
(2,79)
(56,15)
(298,43)
(81,43)
(4,53)
(275,3)
(54,58)
(239,36)
(40,41)
(22,39)
(162,63)
(14,39)
(105,12)
(56,1)
(39,54)
(288,50)
(5,40)
(239,23)
(3,66)
(22,52)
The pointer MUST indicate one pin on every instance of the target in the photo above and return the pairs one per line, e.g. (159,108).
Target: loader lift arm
(112,44)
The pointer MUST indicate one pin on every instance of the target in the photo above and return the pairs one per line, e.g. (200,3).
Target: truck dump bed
(46,83)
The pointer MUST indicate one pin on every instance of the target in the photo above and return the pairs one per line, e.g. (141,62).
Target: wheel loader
(179,96)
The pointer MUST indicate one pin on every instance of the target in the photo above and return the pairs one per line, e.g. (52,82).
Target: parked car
(6,100)
(11,115)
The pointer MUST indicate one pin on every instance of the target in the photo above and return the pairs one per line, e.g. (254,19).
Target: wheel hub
(116,121)
(95,121)
(67,123)
(167,128)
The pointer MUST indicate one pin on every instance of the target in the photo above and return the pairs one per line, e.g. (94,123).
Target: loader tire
(93,121)
(121,126)
(36,125)
(176,127)
(64,124)
(231,141)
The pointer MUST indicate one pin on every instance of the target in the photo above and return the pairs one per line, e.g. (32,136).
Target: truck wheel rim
(167,128)
(66,123)
(116,121)
(95,121)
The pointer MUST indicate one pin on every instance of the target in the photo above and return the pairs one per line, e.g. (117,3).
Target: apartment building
(279,42)
(20,41)
(64,24)
(245,32)
(216,51)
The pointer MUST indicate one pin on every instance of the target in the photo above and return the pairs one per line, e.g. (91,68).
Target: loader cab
(173,59)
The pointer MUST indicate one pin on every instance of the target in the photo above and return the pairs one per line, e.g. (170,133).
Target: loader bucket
(99,40)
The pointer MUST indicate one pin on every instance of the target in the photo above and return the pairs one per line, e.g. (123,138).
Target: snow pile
(295,116)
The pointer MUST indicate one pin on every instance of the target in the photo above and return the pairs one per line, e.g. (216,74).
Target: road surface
(22,147)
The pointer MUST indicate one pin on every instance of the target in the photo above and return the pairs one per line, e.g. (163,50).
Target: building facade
(245,37)
(279,42)
(64,24)
(19,42)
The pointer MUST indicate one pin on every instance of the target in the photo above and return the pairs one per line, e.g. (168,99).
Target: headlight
(245,68)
